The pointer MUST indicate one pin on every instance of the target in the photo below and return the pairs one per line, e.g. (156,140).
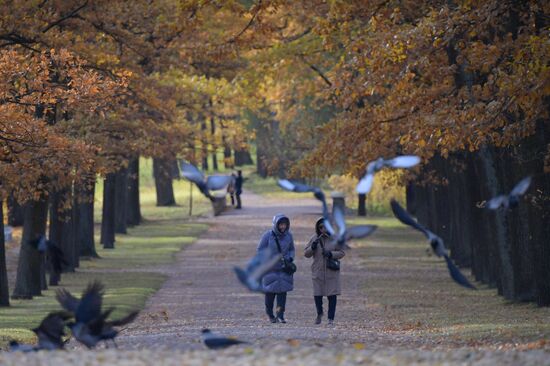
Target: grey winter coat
(326,282)
(276,280)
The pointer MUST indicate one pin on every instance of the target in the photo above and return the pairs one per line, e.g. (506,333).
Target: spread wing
(360,231)
(521,187)
(406,219)
(365,184)
(189,171)
(216,182)
(405,161)
(496,202)
(89,307)
(456,275)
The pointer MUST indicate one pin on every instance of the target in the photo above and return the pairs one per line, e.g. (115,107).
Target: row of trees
(89,86)
(323,86)
(463,84)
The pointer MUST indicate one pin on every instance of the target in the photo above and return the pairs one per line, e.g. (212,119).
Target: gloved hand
(327,253)
(314,244)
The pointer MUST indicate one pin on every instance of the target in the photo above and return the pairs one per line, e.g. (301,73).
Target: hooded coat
(326,282)
(276,280)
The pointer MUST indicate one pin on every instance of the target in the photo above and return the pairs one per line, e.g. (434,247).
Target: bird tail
(456,275)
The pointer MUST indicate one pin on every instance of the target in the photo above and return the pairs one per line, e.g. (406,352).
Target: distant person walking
(231,188)
(279,280)
(239,187)
(325,271)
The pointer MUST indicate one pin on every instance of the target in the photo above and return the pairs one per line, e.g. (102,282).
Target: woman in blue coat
(278,282)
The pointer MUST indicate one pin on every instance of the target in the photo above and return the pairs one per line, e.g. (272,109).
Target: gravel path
(202,291)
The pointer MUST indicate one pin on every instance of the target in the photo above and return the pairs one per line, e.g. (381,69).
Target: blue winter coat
(276,280)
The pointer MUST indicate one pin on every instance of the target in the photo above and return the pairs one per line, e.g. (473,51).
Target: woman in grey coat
(326,282)
(277,282)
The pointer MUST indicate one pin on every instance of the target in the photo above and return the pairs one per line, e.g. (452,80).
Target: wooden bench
(219,204)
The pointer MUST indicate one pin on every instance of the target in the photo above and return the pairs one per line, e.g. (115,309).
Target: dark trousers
(232,195)
(331,305)
(270,300)
(238,200)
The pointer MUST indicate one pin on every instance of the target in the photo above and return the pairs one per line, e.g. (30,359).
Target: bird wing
(89,307)
(286,184)
(406,219)
(53,326)
(521,187)
(456,275)
(495,202)
(295,186)
(125,320)
(339,217)
(97,324)
(405,161)
(190,172)
(215,182)
(67,300)
(264,267)
(360,231)
(365,184)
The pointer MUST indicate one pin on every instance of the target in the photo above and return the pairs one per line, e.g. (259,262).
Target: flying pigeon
(405,161)
(91,325)
(215,341)
(436,243)
(317,193)
(50,334)
(344,233)
(256,268)
(205,185)
(510,200)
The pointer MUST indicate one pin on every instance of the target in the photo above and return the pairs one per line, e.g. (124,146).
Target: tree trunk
(362,209)
(133,214)
(162,172)
(121,201)
(204,145)
(15,212)
(85,220)
(108,212)
(213,134)
(28,282)
(4,290)
(242,157)
(227,157)
(61,231)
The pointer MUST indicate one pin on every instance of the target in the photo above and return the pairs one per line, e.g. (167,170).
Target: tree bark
(29,279)
(84,222)
(15,212)
(133,207)
(108,212)
(362,208)
(243,157)
(4,290)
(121,201)
(162,172)
(213,133)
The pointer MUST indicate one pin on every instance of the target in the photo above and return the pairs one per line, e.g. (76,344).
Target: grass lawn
(128,271)
(417,293)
